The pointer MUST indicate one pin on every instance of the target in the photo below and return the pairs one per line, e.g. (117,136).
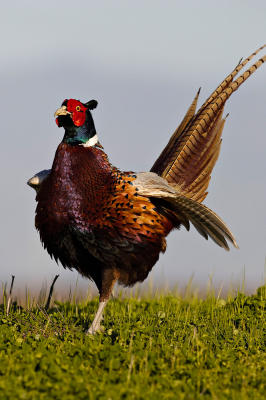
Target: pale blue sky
(143,61)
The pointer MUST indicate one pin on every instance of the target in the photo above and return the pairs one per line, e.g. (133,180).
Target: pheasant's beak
(62,111)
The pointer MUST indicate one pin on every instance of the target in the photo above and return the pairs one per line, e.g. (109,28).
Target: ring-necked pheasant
(111,225)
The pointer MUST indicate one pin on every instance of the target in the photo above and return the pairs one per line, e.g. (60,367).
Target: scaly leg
(96,323)
(105,286)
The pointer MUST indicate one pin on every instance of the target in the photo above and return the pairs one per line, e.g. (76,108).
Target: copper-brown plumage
(86,202)
(111,225)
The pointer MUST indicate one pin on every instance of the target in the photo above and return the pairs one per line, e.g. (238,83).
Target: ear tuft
(91,104)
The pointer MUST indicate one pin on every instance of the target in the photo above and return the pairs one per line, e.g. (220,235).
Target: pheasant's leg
(108,279)
(96,323)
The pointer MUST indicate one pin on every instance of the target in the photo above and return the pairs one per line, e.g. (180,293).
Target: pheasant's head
(77,120)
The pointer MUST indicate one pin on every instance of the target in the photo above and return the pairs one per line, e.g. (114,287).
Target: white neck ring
(91,142)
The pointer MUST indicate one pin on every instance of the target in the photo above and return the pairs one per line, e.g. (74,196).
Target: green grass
(152,348)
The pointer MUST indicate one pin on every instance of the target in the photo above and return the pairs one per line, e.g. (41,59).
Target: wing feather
(207,223)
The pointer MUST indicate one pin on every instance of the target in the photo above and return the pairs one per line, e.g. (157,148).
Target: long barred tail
(189,157)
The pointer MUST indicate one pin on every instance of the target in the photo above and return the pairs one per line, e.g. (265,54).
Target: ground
(163,347)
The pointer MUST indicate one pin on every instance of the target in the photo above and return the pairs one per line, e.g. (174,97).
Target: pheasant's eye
(78,108)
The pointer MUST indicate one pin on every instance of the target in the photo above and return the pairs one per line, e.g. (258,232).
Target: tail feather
(196,187)
(188,159)
(230,78)
(200,164)
(163,160)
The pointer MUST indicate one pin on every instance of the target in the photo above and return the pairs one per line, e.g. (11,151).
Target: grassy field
(165,347)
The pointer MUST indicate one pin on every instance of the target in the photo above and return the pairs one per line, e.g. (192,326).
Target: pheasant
(111,225)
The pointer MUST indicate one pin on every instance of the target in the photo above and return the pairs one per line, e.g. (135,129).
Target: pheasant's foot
(95,329)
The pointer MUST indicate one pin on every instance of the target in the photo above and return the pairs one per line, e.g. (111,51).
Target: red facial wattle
(77,110)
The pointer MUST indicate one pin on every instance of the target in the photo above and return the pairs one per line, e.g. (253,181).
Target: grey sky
(143,61)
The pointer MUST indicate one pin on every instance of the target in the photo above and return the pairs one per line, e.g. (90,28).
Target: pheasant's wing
(37,179)
(184,209)
(189,157)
